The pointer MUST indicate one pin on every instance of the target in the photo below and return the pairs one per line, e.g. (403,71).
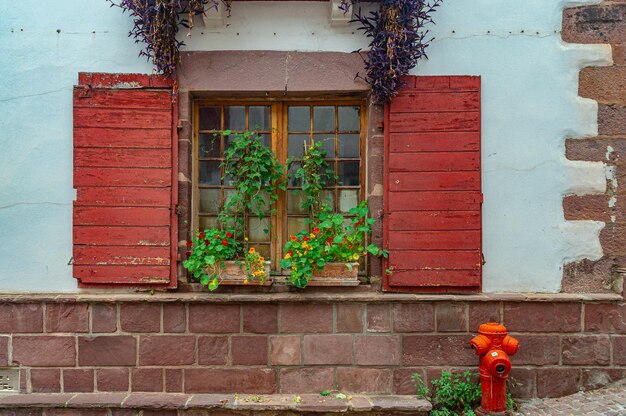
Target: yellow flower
(312,235)
(245,281)
(304,244)
(261,259)
(245,239)
(355,257)
(288,255)
(251,250)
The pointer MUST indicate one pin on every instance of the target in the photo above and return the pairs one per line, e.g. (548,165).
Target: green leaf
(341,396)
(213,284)
(373,249)
(338,239)
(325,393)
(204,279)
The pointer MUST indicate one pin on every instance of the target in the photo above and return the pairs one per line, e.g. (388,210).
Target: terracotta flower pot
(234,273)
(336,274)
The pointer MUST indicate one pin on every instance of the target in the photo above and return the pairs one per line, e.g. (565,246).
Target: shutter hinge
(381,125)
(87,91)
(481,198)
(482,259)
(179,210)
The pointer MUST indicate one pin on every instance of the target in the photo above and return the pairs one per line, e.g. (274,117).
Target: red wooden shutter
(432,222)
(125,158)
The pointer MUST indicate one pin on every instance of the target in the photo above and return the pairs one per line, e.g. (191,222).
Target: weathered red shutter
(125,158)
(432,222)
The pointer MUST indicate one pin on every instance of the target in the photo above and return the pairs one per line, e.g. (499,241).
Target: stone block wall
(602,23)
(262,347)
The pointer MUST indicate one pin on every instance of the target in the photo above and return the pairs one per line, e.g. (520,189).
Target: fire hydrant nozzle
(494,346)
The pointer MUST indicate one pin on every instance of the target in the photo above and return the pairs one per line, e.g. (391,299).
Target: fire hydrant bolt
(494,346)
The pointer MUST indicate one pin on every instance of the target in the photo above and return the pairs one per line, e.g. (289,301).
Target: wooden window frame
(279,146)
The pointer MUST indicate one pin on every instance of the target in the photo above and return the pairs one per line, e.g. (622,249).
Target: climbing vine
(396,29)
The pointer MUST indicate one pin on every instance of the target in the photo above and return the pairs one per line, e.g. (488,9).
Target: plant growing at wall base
(398,42)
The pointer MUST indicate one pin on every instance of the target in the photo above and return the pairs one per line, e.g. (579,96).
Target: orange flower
(293,238)
(316,230)
(251,250)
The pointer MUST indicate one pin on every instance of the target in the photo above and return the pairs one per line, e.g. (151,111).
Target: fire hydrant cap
(492,328)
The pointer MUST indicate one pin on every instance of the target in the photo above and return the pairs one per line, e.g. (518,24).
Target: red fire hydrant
(494,346)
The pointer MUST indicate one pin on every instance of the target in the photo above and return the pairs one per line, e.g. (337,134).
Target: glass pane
(292,175)
(329,143)
(349,118)
(210,172)
(348,199)
(328,173)
(210,200)
(299,119)
(259,229)
(328,197)
(323,118)
(296,145)
(349,145)
(295,225)
(348,173)
(263,250)
(259,118)
(263,202)
(210,118)
(234,118)
(227,194)
(208,222)
(209,145)
(267,139)
(294,200)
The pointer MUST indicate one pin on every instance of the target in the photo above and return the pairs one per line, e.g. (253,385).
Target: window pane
(210,118)
(259,118)
(348,173)
(208,222)
(267,139)
(263,250)
(328,197)
(299,119)
(235,118)
(349,118)
(328,174)
(296,145)
(349,145)
(210,200)
(227,195)
(210,172)
(348,199)
(209,145)
(292,175)
(259,229)
(295,225)
(323,118)
(294,200)
(329,143)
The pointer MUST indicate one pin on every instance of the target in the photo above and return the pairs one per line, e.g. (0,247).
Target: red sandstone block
(420,350)
(306,380)
(147,379)
(542,317)
(605,317)
(557,382)
(451,317)
(285,350)
(378,317)
(327,349)
(483,312)
(403,382)
(363,380)
(140,317)
(44,351)
(173,380)
(586,350)
(241,380)
(45,380)
(75,412)
(414,317)
(67,317)
(107,350)
(260,318)
(611,119)
(77,380)
(586,207)
(522,382)
(350,317)
(619,54)
(21,318)
(213,350)
(112,379)
(537,350)
(249,350)
(613,239)
(377,350)
(167,350)
(301,318)
(103,317)
(211,318)
(603,23)
(4,351)
(604,84)
(619,350)
(174,317)
(160,412)
(595,378)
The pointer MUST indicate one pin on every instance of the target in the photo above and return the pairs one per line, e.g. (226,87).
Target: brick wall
(603,23)
(301,347)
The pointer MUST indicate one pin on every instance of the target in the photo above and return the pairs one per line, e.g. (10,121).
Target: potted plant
(223,255)
(328,251)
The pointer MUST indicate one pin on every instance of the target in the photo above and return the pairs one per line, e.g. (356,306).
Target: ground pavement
(603,402)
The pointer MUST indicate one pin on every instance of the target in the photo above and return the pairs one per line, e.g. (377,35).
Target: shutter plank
(435,278)
(122,137)
(418,122)
(123,197)
(121,236)
(115,177)
(434,240)
(121,216)
(431,201)
(122,274)
(427,102)
(123,118)
(451,141)
(435,260)
(434,161)
(121,255)
(113,158)
(434,220)
(434,181)
(120,98)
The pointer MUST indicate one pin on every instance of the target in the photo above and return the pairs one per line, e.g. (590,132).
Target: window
(287,127)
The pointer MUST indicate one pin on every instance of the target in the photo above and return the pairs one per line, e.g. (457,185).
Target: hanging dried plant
(156,23)
(398,42)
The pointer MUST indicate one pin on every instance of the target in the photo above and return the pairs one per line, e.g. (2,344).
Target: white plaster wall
(530,105)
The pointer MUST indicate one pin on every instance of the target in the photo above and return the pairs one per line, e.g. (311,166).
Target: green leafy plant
(207,252)
(330,240)
(454,394)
